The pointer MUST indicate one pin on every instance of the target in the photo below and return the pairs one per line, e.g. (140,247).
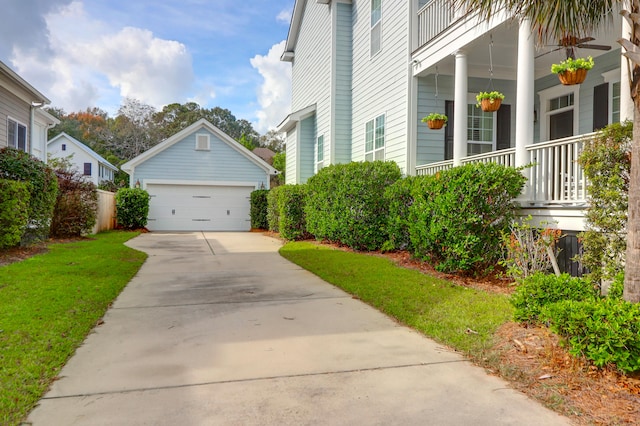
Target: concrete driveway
(218,329)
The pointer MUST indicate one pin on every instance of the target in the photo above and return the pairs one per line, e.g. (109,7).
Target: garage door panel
(199,207)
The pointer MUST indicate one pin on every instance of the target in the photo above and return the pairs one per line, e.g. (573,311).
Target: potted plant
(489,101)
(572,71)
(435,120)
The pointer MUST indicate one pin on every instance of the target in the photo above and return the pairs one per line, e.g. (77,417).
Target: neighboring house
(199,179)
(82,158)
(364,74)
(265,153)
(23,124)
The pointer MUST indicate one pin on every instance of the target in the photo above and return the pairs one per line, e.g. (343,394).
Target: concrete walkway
(218,329)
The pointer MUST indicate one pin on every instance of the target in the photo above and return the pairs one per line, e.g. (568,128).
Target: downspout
(32,121)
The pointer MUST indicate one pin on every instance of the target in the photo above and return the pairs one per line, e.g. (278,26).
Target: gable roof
(84,148)
(35,95)
(200,124)
(265,153)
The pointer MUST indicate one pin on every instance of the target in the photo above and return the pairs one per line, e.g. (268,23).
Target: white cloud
(274,94)
(284,16)
(92,62)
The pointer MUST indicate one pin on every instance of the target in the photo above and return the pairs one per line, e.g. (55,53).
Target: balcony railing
(555,176)
(433,18)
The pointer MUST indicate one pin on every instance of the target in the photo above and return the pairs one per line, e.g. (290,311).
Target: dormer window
(202,142)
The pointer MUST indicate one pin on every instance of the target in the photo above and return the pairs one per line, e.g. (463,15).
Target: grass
(48,305)
(440,309)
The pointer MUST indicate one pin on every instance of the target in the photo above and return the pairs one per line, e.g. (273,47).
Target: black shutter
(600,106)
(448,131)
(503,127)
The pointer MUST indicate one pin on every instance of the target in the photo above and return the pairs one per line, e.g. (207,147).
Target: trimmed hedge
(400,199)
(14,211)
(258,210)
(273,211)
(346,203)
(458,215)
(76,206)
(43,189)
(132,207)
(291,203)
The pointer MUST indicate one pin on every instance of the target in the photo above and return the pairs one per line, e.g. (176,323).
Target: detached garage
(200,179)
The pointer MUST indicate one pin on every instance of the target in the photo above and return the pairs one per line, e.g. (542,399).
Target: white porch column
(626,103)
(460,109)
(525,95)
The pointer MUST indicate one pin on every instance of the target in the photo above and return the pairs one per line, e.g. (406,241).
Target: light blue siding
(307,147)
(343,72)
(182,161)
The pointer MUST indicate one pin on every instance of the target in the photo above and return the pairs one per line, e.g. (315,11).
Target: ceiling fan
(569,43)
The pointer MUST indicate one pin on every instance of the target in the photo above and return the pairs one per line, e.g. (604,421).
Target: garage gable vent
(202,142)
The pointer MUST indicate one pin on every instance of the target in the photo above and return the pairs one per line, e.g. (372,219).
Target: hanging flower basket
(572,71)
(489,101)
(435,120)
(569,78)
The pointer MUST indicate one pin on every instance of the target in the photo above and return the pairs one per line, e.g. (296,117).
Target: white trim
(292,119)
(207,142)
(612,77)
(371,27)
(197,183)
(27,142)
(86,149)
(374,150)
(552,93)
(471,100)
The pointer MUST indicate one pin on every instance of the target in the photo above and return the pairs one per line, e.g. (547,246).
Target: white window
(319,152)
(374,139)
(376,26)
(559,112)
(202,142)
(613,78)
(16,135)
(481,130)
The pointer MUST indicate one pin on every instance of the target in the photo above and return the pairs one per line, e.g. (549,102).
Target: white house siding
(311,78)
(40,137)
(12,106)
(306,146)
(343,79)
(78,157)
(181,161)
(380,83)
(291,174)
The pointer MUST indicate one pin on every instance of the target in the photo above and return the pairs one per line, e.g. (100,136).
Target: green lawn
(438,308)
(48,305)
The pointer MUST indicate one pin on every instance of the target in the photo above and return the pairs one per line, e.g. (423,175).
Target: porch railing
(555,177)
(433,18)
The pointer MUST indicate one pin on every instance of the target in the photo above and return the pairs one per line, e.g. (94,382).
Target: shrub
(132,207)
(605,331)
(346,203)
(399,197)
(76,205)
(539,290)
(291,201)
(528,249)
(259,209)
(14,211)
(458,215)
(43,189)
(607,161)
(273,211)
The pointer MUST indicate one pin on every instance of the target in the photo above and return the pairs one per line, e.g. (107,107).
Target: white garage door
(199,208)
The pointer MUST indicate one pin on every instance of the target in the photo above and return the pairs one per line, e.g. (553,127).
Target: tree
(280,164)
(273,140)
(553,20)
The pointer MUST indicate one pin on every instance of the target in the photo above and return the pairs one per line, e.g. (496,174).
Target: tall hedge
(346,203)
(273,211)
(76,206)
(14,211)
(606,160)
(43,189)
(400,198)
(457,215)
(132,207)
(291,202)
(258,211)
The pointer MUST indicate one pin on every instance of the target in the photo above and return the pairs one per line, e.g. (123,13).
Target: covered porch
(541,123)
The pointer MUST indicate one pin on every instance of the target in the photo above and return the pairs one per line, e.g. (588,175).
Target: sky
(94,53)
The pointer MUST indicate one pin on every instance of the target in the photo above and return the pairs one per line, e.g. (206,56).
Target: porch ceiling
(505,52)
